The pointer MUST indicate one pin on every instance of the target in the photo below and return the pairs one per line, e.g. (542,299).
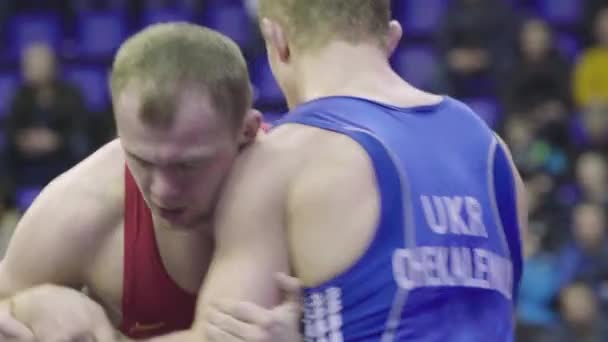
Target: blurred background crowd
(534,70)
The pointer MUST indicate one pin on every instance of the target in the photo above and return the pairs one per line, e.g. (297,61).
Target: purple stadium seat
(561,12)
(8,85)
(101,33)
(231,20)
(418,64)
(182,5)
(421,17)
(93,83)
(569,45)
(266,89)
(89,5)
(487,108)
(29,28)
(155,16)
(24,197)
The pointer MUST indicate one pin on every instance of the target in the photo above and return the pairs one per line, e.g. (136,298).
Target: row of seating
(97,33)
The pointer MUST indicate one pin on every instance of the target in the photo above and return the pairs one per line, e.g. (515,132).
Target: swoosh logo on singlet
(143,328)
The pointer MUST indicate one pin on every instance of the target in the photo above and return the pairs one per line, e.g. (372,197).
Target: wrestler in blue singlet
(445,261)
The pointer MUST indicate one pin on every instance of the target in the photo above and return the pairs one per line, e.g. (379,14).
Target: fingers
(235,327)
(292,287)
(245,312)
(216,334)
(105,333)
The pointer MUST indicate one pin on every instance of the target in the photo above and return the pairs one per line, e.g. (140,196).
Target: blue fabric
(441,267)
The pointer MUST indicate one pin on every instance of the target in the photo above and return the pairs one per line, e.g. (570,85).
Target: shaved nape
(311,24)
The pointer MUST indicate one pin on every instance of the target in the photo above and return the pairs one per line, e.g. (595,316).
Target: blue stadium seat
(28,28)
(8,85)
(93,83)
(181,5)
(101,33)
(420,17)
(488,109)
(561,12)
(155,16)
(24,197)
(231,20)
(90,5)
(419,65)
(569,45)
(266,89)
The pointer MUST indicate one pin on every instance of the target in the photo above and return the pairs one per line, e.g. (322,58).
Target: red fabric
(153,304)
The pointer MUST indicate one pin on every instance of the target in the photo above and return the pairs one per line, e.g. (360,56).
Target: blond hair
(164,57)
(313,23)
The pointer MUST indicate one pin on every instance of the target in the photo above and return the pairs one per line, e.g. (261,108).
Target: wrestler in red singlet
(152,304)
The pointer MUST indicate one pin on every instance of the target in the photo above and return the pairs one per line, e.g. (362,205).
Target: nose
(164,190)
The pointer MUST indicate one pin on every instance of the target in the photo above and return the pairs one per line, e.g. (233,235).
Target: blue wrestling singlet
(445,262)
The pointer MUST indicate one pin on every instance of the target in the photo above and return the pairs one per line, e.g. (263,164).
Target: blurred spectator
(547,216)
(538,142)
(592,177)
(536,313)
(581,315)
(45,118)
(590,128)
(591,72)
(586,26)
(586,257)
(542,76)
(475,39)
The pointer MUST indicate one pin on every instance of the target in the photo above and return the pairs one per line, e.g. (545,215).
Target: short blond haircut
(164,58)
(313,23)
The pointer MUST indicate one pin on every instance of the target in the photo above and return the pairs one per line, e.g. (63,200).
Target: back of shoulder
(300,144)
(294,151)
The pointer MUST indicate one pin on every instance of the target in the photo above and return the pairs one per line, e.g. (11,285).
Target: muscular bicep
(249,235)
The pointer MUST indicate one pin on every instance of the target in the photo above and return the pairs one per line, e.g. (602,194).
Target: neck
(342,69)
(162,226)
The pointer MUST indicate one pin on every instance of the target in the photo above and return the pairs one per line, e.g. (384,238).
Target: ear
(395,33)
(251,126)
(276,38)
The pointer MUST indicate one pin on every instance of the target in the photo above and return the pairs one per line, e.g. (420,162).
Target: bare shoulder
(95,186)
(60,234)
(332,200)
(294,150)
(310,148)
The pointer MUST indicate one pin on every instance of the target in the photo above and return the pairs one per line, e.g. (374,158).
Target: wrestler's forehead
(196,128)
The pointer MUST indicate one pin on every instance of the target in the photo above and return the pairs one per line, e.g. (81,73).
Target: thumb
(290,286)
(106,333)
